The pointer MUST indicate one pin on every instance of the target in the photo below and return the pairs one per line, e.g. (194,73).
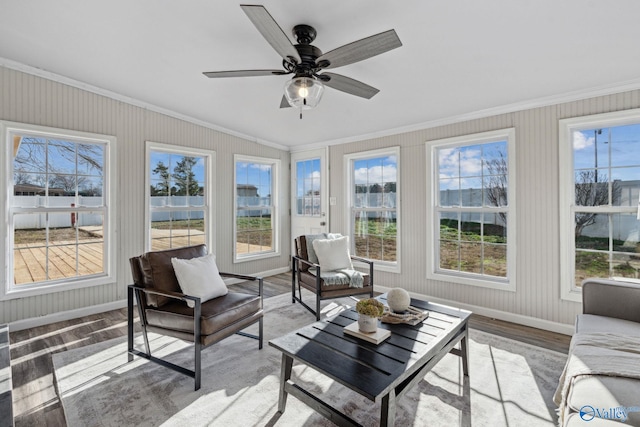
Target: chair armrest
(305,261)
(357,258)
(611,298)
(248,278)
(168,294)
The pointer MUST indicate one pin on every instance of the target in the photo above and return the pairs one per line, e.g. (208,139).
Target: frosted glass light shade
(303,92)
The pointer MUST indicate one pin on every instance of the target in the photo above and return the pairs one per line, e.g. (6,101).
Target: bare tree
(496,189)
(592,189)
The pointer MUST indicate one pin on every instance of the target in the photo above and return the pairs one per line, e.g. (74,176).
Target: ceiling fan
(307,63)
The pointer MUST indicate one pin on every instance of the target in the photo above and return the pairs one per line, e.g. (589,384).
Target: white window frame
(8,290)
(349,160)
(275,208)
(209,178)
(433,229)
(569,290)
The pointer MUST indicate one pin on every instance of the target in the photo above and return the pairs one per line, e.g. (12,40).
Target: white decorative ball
(398,300)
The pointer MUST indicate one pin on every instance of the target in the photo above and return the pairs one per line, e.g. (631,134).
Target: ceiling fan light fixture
(303,92)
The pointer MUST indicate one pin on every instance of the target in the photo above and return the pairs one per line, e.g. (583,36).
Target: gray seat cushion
(589,323)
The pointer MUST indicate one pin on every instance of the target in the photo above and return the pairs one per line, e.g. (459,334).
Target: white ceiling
(459,58)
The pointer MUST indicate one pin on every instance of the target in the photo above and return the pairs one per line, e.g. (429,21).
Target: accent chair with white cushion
(323,265)
(180,292)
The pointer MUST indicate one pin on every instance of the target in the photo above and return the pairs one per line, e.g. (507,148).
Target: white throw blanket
(605,354)
(353,278)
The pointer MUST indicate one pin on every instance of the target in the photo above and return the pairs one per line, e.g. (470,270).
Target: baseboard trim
(533,322)
(33,322)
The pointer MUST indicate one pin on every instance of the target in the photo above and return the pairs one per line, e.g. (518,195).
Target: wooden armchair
(162,308)
(303,277)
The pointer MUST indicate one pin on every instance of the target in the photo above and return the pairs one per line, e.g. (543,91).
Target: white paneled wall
(538,259)
(31,99)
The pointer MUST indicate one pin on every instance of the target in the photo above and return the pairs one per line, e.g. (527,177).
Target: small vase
(367,324)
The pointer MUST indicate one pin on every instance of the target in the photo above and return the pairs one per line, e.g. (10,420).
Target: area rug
(510,384)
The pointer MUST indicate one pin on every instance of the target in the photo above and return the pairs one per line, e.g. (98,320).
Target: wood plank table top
(384,371)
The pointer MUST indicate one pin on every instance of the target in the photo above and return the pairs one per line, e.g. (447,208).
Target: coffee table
(385,371)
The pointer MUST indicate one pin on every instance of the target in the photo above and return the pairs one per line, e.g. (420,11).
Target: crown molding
(17,66)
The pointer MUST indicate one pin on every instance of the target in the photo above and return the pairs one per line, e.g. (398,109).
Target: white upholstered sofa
(601,382)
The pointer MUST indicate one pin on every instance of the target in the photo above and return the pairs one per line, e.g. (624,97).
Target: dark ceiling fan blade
(284,103)
(244,73)
(350,86)
(271,31)
(361,49)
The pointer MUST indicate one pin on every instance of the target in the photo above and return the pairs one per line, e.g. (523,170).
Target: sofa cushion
(333,254)
(590,323)
(606,394)
(199,277)
(217,313)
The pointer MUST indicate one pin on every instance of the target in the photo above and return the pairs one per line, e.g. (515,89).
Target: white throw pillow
(333,254)
(199,277)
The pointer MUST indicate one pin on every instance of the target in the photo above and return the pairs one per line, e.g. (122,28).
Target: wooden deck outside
(30,260)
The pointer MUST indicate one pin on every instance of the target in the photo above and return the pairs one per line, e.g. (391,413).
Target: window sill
(44,289)
(256,257)
(472,281)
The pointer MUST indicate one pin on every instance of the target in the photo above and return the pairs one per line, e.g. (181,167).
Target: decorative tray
(374,337)
(411,316)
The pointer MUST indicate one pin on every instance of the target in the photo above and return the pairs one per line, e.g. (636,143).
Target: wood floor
(35,400)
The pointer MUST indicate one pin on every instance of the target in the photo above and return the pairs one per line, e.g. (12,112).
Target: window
(599,218)
(373,185)
(255,207)
(308,188)
(179,197)
(60,234)
(472,206)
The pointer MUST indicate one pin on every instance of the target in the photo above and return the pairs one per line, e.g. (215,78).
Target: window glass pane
(308,187)
(625,186)
(254,225)
(625,145)
(625,233)
(471,257)
(471,227)
(61,157)
(30,155)
(449,192)
(375,187)
(495,227)
(591,188)
(470,161)
(592,231)
(471,192)
(450,255)
(448,162)
(494,260)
